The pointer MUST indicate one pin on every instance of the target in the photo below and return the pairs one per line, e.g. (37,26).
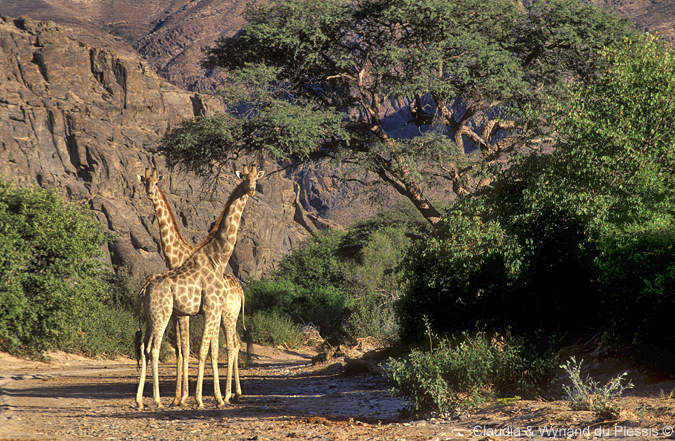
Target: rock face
(86,120)
(169,34)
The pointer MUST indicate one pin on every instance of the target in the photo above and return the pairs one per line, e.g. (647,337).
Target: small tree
(51,274)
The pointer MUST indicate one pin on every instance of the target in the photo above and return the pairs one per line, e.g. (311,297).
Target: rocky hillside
(654,16)
(85,120)
(170,34)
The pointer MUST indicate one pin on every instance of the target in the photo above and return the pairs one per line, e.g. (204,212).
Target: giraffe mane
(234,195)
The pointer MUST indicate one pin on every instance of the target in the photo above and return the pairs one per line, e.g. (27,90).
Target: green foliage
(52,280)
(585,393)
(275,329)
(311,79)
(616,148)
(124,289)
(322,306)
(466,372)
(612,174)
(445,273)
(589,223)
(507,401)
(371,317)
(315,263)
(344,283)
(108,332)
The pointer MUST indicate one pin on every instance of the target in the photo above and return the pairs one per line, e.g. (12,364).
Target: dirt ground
(286,396)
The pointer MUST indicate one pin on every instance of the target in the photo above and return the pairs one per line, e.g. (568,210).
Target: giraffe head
(250,178)
(150,183)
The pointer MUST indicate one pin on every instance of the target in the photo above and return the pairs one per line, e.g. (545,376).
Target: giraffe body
(198,285)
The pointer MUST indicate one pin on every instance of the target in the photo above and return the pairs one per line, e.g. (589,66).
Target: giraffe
(176,250)
(193,287)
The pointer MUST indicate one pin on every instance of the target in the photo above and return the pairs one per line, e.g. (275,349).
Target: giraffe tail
(138,338)
(138,342)
(247,334)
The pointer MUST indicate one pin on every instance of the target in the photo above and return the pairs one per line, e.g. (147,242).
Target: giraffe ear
(260,174)
(238,174)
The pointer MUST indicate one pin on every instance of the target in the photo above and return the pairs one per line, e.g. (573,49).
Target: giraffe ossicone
(197,285)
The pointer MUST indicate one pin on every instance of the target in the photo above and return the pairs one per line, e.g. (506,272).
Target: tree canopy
(412,92)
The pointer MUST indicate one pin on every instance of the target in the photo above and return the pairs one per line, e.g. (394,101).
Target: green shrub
(466,372)
(344,283)
(315,264)
(370,317)
(324,307)
(52,280)
(108,332)
(124,289)
(637,272)
(274,329)
(590,222)
(585,393)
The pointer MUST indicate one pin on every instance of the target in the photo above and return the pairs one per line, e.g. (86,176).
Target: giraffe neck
(176,249)
(219,245)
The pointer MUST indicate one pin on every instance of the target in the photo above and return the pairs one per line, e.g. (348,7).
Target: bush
(455,275)
(343,283)
(585,394)
(466,372)
(274,329)
(108,332)
(324,307)
(638,279)
(371,317)
(589,223)
(52,280)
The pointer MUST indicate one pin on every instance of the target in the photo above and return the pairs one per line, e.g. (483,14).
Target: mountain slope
(85,120)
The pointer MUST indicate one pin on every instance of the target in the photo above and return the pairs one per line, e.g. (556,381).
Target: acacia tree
(311,79)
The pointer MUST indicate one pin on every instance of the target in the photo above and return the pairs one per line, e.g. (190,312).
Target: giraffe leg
(235,367)
(155,346)
(214,364)
(209,324)
(144,368)
(179,360)
(184,325)
(232,361)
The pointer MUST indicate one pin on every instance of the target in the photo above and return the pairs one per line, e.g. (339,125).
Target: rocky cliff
(86,120)
(168,34)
